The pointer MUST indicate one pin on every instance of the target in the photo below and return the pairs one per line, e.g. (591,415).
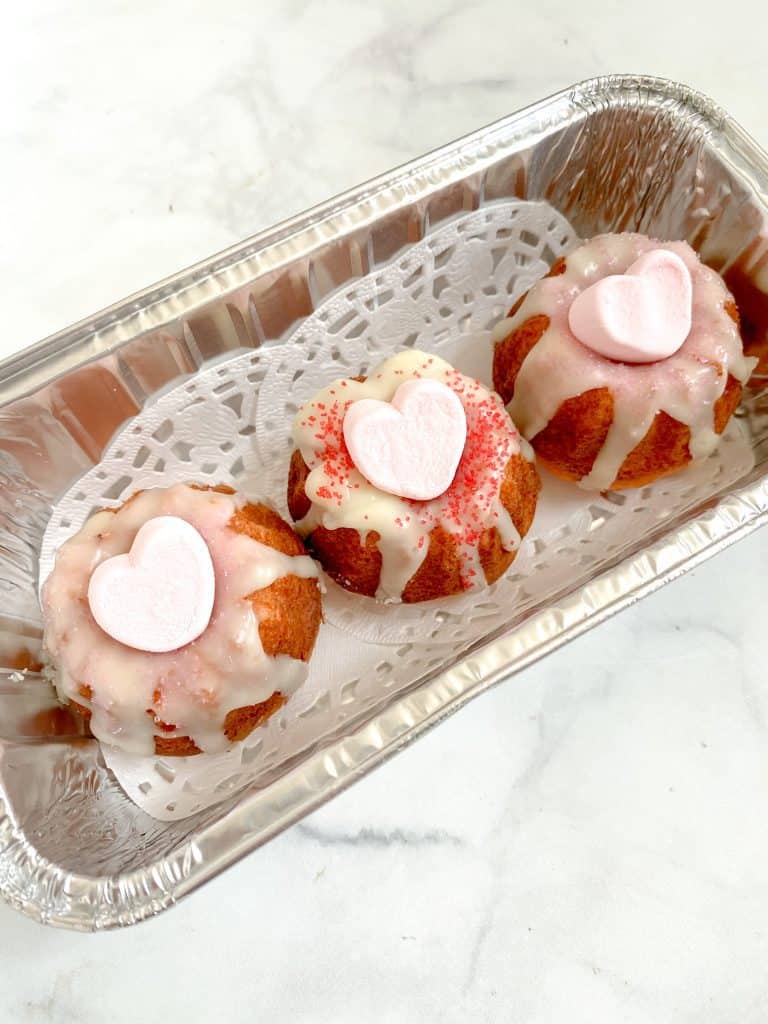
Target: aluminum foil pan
(619,153)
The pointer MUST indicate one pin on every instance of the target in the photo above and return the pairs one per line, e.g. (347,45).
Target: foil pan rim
(188,289)
(84,903)
(56,896)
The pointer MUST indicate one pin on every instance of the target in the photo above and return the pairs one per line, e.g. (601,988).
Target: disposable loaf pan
(618,153)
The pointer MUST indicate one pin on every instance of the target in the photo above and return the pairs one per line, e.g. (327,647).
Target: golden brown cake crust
(356,565)
(573,438)
(289,613)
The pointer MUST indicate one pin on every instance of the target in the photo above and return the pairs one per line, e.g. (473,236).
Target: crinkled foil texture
(613,154)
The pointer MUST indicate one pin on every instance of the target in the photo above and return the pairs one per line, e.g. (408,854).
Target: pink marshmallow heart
(412,446)
(159,596)
(638,317)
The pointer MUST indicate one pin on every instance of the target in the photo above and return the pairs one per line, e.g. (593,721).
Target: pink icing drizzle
(686,385)
(224,669)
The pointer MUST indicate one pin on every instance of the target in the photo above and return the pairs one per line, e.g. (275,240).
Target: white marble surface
(587,843)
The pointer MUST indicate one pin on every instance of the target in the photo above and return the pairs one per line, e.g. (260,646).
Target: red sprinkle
(468,505)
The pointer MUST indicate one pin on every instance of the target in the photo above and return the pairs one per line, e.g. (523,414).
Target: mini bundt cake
(181,620)
(624,363)
(412,483)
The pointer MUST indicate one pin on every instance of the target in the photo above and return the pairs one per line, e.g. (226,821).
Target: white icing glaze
(224,669)
(342,498)
(686,385)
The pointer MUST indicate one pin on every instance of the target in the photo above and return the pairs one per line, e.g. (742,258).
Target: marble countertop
(588,842)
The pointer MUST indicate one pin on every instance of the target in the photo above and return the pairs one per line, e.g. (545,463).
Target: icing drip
(686,385)
(224,669)
(341,497)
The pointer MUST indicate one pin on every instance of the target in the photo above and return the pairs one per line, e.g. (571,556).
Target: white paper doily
(230,423)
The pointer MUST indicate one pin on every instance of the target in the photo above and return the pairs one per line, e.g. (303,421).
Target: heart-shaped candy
(638,317)
(159,596)
(412,445)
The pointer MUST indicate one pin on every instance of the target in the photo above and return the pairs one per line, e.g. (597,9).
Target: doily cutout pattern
(230,423)
(442,295)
